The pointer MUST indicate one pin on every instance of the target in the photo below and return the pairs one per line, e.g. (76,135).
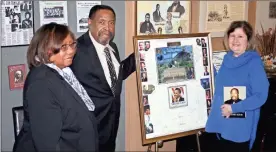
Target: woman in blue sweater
(242,67)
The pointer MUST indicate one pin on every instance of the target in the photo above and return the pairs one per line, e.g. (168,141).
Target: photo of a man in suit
(177,95)
(234,92)
(203,44)
(206,71)
(157,15)
(98,67)
(176,7)
(148,124)
(147,27)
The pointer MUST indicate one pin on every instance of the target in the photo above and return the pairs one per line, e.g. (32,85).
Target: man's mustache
(109,33)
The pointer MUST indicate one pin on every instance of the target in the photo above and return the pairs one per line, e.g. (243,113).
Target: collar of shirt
(99,47)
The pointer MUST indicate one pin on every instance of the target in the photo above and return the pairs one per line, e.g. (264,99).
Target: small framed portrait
(208,94)
(178,96)
(205,61)
(143,67)
(145,100)
(147,45)
(203,42)
(17,74)
(205,83)
(144,77)
(142,57)
(147,118)
(141,46)
(204,52)
(206,72)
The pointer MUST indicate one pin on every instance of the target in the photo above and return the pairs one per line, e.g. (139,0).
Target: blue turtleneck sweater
(245,70)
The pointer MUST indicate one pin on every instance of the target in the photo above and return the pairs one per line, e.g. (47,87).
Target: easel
(159,144)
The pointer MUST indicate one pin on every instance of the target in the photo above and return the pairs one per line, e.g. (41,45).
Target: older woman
(242,67)
(58,113)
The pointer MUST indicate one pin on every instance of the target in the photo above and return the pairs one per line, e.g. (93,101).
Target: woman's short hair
(47,41)
(248,30)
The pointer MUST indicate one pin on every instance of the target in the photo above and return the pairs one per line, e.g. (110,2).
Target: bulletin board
(174,83)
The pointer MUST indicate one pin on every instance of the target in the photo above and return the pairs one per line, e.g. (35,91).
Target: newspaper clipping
(221,13)
(17,22)
(53,11)
(83,8)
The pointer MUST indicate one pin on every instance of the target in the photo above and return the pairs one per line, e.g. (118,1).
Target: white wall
(262,18)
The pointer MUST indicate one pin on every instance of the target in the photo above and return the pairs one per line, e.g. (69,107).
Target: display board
(175,84)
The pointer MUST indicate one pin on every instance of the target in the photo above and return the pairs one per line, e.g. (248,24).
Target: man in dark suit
(147,27)
(177,95)
(176,7)
(234,97)
(98,67)
(157,15)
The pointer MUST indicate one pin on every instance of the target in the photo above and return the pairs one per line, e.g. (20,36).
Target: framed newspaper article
(163,17)
(17,23)
(175,84)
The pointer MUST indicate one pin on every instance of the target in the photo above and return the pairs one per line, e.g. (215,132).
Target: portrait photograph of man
(178,96)
(233,95)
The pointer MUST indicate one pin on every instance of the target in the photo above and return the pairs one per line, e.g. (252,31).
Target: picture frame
(173,74)
(17,23)
(216,16)
(17,75)
(169,19)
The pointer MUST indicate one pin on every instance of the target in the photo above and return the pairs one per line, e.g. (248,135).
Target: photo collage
(144,46)
(205,81)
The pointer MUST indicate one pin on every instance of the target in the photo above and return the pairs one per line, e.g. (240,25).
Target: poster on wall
(53,11)
(272,10)
(218,58)
(17,76)
(163,17)
(83,8)
(17,23)
(175,84)
(221,13)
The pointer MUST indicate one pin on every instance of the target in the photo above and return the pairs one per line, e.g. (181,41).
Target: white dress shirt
(100,51)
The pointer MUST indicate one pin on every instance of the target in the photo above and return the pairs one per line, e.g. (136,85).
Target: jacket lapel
(96,63)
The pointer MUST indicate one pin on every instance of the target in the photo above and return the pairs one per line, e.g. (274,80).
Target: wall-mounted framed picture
(163,17)
(17,23)
(175,84)
(17,76)
(216,16)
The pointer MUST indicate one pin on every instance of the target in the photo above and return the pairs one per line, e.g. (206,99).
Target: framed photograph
(17,76)
(17,23)
(174,89)
(272,10)
(216,16)
(163,17)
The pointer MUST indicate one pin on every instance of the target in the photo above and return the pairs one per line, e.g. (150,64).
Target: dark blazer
(55,117)
(88,70)
(156,16)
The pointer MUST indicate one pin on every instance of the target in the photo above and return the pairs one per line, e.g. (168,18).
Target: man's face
(147,18)
(102,26)
(148,112)
(141,46)
(176,94)
(157,7)
(147,45)
(145,100)
(234,95)
(143,65)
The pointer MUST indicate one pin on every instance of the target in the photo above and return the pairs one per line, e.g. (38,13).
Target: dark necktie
(111,68)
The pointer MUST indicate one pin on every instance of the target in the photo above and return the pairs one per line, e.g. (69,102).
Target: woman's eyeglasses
(65,47)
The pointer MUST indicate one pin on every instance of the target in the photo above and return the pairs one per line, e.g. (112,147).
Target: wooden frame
(188,7)
(156,89)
